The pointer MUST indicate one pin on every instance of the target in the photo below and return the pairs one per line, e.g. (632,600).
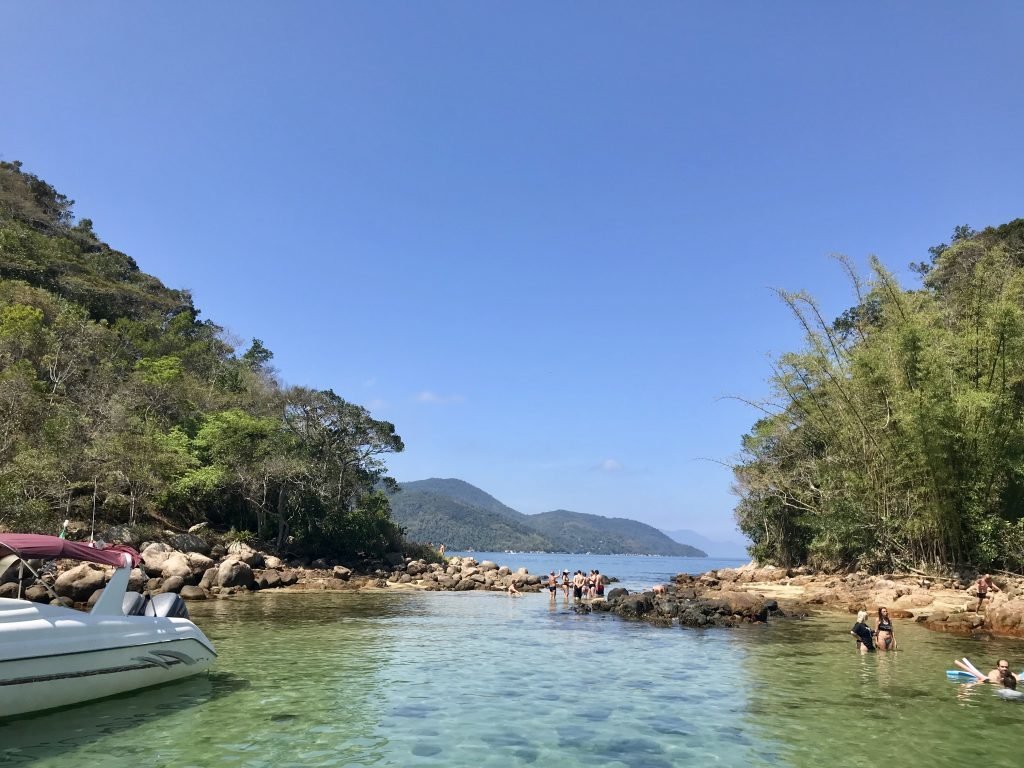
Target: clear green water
(467,679)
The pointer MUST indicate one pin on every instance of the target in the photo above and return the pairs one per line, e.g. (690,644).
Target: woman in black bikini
(884,637)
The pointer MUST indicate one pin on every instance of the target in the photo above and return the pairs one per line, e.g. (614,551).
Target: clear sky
(541,238)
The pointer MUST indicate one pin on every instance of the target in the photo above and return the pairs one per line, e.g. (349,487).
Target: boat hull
(53,657)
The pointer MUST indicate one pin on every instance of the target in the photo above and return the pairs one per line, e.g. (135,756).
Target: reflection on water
(468,679)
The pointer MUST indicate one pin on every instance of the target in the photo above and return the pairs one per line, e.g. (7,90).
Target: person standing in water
(865,643)
(884,637)
(552,585)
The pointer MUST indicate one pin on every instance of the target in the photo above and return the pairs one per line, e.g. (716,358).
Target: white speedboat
(52,656)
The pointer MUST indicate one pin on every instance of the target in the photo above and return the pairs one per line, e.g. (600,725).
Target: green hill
(465,517)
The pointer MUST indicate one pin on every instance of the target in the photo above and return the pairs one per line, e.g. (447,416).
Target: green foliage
(894,439)
(242,537)
(117,401)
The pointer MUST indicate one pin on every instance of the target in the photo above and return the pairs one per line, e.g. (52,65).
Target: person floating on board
(1002,675)
(865,642)
(884,637)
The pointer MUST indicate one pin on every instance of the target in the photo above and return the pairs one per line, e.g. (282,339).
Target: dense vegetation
(464,517)
(896,437)
(119,405)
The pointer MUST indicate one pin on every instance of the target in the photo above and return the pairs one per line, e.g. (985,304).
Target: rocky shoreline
(197,570)
(731,596)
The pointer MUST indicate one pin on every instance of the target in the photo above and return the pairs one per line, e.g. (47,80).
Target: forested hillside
(463,517)
(119,404)
(895,438)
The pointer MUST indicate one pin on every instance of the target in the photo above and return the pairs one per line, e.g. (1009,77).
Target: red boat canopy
(31,545)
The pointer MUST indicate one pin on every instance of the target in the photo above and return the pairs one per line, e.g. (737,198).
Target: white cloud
(432,397)
(610,465)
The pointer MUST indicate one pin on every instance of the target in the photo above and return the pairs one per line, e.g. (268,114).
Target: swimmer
(1002,675)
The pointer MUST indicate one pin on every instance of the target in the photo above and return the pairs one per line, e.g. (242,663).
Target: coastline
(720,597)
(942,605)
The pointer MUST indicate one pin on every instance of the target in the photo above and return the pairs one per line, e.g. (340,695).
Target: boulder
(37,593)
(234,573)
(242,552)
(172,584)
(189,592)
(341,572)
(154,556)
(268,579)
(189,542)
(80,582)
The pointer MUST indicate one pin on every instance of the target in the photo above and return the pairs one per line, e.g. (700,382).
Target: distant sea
(634,572)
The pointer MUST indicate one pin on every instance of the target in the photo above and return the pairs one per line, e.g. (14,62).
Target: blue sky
(541,238)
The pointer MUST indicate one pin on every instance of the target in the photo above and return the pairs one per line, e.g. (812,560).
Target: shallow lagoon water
(483,679)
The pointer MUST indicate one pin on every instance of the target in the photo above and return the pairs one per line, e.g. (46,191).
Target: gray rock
(235,573)
(172,584)
(246,554)
(80,582)
(189,592)
(189,542)
(268,579)
(37,593)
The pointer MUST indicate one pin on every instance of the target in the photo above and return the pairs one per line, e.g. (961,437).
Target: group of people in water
(582,586)
(883,638)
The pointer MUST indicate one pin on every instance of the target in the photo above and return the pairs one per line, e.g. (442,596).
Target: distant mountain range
(726,547)
(463,517)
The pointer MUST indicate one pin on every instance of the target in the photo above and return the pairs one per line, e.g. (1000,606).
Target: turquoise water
(483,679)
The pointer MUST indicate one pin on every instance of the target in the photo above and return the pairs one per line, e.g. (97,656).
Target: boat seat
(134,604)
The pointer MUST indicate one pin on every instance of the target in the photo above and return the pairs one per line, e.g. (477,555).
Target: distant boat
(52,656)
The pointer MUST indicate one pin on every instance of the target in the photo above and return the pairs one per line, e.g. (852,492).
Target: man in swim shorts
(985,585)
(578,580)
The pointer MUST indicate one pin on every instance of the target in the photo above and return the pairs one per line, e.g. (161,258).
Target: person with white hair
(863,633)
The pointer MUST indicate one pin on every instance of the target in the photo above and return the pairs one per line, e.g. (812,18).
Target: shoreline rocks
(241,569)
(942,605)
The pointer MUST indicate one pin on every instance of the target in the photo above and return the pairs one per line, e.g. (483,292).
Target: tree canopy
(117,403)
(895,438)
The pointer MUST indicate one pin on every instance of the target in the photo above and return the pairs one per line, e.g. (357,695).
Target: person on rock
(984,586)
(863,633)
